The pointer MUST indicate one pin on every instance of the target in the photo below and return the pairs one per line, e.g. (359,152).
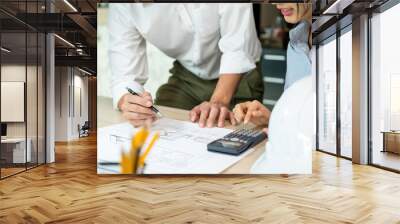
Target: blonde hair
(307,7)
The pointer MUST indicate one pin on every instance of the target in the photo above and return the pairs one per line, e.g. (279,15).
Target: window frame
(379,10)
(27,29)
(333,37)
(340,27)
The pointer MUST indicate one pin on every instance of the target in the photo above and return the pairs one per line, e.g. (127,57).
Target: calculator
(237,141)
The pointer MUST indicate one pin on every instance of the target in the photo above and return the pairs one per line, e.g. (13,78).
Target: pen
(152,107)
(109,163)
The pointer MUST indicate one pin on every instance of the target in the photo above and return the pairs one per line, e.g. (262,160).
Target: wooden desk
(108,116)
(16,153)
(391,141)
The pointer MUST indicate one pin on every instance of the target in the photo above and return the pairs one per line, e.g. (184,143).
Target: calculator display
(226,143)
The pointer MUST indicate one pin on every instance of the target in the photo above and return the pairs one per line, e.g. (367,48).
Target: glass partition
(22,67)
(41,97)
(13,88)
(34,69)
(31,97)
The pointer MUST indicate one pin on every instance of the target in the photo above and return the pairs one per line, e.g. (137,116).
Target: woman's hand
(253,112)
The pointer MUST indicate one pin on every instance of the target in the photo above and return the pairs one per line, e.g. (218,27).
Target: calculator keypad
(237,141)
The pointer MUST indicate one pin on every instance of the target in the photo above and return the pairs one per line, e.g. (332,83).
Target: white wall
(69,82)
(79,117)
(12,73)
(12,100)
(61,103)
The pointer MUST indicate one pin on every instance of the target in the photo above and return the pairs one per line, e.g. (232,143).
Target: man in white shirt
(216,49)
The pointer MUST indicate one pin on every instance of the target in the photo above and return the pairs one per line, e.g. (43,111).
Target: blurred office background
(48,78)
(22,92)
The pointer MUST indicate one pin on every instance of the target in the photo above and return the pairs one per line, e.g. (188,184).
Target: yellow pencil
(137,145)
(130,161)
(149,147)
(126,163)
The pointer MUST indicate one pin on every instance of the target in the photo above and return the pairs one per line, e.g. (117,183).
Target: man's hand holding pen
(137,109)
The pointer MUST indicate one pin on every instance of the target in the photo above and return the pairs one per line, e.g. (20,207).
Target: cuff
(236,63)
(119,90)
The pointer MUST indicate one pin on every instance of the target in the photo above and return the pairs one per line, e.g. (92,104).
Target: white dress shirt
(207,39)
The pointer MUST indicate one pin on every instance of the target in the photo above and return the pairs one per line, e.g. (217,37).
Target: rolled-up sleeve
(127,52)
(239,43)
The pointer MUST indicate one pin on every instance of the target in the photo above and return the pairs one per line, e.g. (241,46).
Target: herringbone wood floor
(70,191)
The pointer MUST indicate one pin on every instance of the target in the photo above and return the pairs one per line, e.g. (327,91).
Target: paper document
(181,148)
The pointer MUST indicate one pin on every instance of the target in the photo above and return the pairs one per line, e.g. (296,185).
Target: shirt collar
(299,34)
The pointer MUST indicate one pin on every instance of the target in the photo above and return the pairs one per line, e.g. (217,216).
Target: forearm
(226,88)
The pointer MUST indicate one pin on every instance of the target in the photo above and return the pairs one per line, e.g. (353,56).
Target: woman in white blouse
(298,59)
(216,49)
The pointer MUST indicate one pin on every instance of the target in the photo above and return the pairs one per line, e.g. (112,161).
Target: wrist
(225,89)
(225,101)
(120,101)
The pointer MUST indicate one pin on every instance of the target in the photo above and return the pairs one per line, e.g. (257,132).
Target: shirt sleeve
(239,43)
(127,52)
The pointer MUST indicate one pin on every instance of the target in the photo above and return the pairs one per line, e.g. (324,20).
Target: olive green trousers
(185,90)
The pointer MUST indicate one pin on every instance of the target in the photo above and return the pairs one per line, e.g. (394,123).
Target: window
(385,89)
(327,96)
(346,93)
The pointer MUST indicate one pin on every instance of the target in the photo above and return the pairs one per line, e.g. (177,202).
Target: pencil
(149,147)
(136,146)
(130,160)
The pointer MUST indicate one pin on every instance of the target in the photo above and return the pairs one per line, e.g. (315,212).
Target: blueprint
(181,148)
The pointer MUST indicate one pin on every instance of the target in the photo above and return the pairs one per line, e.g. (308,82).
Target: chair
(84,130)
